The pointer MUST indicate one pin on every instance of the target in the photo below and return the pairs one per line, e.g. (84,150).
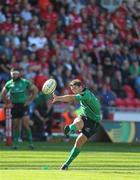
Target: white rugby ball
(49,86)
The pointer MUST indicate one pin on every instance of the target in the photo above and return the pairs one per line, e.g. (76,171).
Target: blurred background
(97,41)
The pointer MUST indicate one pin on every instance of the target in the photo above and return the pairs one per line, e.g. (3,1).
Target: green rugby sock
(72,128)
(15,137)
(29,135)
(73,154)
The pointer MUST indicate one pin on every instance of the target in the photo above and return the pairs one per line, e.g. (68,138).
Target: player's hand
(54,98)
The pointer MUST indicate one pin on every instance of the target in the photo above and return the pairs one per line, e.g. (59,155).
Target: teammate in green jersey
(88,121)
(22,92)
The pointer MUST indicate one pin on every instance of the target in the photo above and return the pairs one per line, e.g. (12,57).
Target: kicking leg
(77,124)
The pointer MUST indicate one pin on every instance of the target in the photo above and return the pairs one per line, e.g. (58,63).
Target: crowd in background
(68,39)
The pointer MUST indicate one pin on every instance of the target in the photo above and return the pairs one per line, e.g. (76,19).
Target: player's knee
(78,143)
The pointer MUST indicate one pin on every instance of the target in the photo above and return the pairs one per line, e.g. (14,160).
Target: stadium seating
(129,91)
(120,103)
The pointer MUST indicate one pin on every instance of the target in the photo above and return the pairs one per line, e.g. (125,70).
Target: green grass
(99,161)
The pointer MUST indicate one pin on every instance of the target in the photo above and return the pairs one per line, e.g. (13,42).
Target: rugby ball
(49,86)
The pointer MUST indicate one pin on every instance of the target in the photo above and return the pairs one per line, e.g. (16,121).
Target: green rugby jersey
(90,105)
(18,90)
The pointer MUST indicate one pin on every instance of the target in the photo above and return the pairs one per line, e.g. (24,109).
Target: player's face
(75,89)
(15,75)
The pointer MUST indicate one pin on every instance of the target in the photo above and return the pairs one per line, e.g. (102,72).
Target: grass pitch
(99,161)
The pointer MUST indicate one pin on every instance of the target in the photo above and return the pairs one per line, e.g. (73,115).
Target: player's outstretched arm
(65,98)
